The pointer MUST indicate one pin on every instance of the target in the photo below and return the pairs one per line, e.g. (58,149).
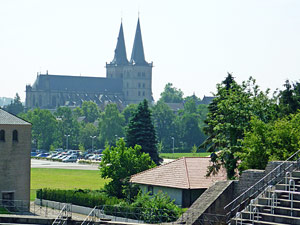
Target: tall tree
(16,106)
(165,124)
(44,126)
(171,94)
(229,117)
(141,131)
(90,111)
(111,125)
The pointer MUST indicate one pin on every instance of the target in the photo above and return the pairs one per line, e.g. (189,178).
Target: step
(236,221)
(285,194)
(268,217)
(280,202)
(296,173)
(286,187)
(278,210)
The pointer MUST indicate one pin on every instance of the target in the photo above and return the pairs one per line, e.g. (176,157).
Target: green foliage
(171,94)
(80,197)
(128,112)
(90,111)
(87,131)
(44,127)
(229,117)
(119,163)
(289,98)
(194,149)
(141,131)
(270,141)
(111,125)
(165,124)
(15,107)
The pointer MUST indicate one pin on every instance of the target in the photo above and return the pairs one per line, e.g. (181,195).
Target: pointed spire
(120,57)
(137,55)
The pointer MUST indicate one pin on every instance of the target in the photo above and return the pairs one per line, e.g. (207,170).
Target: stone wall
(15,162)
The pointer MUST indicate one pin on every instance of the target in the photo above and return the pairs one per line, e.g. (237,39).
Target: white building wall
(174,193)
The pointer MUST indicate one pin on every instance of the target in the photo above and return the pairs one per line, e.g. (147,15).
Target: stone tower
(136,75)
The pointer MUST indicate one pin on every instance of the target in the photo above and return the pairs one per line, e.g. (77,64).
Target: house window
(15,135)
(150,190)
(2,135)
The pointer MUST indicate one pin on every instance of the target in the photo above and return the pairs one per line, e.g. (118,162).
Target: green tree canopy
(229,117)
(111,125)
(141,131)
(16,106)
(119,163)
(171,94)
(90,111)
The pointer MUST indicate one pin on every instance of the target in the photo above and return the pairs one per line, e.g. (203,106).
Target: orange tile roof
(183,173)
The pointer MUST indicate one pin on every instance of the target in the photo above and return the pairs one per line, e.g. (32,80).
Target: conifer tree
(141,131)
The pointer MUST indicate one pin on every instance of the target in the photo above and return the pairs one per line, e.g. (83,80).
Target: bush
(80,197)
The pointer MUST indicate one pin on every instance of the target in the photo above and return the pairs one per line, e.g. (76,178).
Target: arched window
(2,135)
(15,135)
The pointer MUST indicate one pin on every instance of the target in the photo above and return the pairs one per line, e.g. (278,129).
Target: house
(184,179)
(15,146)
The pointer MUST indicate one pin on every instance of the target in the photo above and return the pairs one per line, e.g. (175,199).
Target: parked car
(70,158)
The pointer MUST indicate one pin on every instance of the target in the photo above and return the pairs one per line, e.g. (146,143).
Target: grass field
(179,155)
(65,179)
(3,211)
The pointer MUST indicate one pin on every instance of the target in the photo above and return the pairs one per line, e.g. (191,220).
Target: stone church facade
(126,82)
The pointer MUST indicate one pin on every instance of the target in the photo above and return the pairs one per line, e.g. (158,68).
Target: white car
(70,158)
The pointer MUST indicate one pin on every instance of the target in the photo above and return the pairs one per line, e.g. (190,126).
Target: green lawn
(3,211)
(65,179)
(179,155)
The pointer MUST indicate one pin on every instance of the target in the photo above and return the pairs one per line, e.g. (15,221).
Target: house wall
(174,193)
(15,162)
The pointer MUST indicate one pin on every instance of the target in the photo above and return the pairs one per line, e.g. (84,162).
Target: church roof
(183,173)
(120,57)
(9,119)
(77,83)
(137,55)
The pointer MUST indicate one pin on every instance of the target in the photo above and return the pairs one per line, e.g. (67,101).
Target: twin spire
(137,55)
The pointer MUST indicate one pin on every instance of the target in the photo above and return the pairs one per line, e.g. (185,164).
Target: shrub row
(44,158)
(86,198)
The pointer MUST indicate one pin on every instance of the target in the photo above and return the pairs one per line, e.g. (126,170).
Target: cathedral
(126,82)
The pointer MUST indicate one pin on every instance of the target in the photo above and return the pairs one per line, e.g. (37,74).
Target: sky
(192,43)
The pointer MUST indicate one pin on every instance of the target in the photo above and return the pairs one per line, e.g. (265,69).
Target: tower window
(127,85)
(143,74)
(121,75)
(139,74)
(139,85)
(139,93)
(143,85)
(2,135)
(143,93)
(127,93)
(15,135)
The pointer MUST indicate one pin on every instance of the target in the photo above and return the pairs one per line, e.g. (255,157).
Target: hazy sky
(193,44)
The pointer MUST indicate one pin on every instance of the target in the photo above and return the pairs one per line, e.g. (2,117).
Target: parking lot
(39,163)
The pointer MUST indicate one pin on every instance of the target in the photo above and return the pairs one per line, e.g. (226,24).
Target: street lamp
(67,136)
(93,137)
(173,144)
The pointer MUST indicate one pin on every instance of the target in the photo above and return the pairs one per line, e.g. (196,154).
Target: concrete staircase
(278,204)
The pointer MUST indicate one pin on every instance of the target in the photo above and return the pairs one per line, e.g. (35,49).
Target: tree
(229,117)
(86,132)
(171,94)
(128,112)
(165,124)
(289,98)
(67,125)
(44,126)
(90,111)
(141,131)
(16,106)
(111,125)
(119,163)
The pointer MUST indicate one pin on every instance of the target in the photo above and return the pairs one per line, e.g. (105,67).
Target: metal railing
(273,177)
(64,215)
(15,206)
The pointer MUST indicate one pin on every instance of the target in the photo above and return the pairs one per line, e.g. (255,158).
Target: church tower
(136,75)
